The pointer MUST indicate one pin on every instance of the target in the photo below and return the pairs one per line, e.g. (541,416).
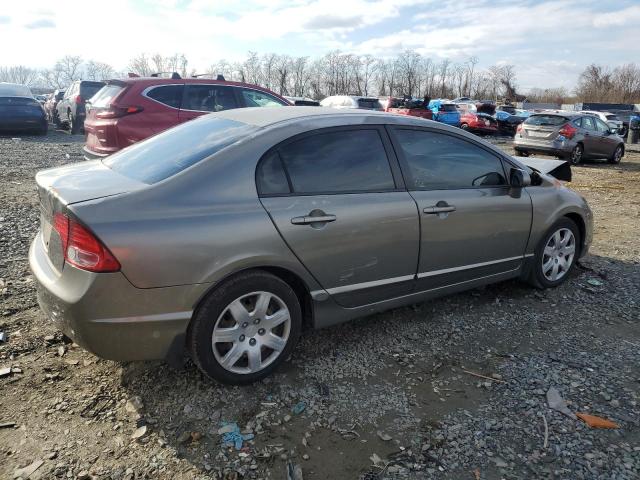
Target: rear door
(340,205)
(471,226)
(199,99)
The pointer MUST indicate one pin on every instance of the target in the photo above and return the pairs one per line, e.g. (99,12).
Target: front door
(472,225)
(607,142)
(334,198)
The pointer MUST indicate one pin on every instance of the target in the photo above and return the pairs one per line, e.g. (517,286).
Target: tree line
(336,72)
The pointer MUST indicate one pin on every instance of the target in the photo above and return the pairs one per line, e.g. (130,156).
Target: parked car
(41,98)
(71,109)
(127,111)
(508,123)
(302,101)
(51,104)
(20,111)
(610,119)
(574,136)
(445,112)
(478,118)
(413,107)
(352,101)
(228,234)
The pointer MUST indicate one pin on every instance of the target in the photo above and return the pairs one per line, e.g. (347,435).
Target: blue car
(20,111)
(445,111)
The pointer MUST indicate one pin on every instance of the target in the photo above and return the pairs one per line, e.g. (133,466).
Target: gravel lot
(383,397)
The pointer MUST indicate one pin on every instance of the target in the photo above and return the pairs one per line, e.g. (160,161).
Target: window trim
(145,92)
(396,174)
(406,170)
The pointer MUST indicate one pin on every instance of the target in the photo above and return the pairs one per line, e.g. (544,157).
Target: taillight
(82,248)
(79,100)
(116,112)
(519,128)
(568,130)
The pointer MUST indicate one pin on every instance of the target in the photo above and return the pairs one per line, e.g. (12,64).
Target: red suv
(126,111)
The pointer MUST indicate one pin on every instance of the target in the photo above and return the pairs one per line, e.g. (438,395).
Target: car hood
(559,169)
(84,181)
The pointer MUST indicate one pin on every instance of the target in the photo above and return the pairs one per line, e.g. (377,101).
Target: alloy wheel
(576,154)
(558,254)
(617,156)
(251,332)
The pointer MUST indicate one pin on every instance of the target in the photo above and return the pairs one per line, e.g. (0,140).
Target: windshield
(546,120)
(370,103)
(174,150)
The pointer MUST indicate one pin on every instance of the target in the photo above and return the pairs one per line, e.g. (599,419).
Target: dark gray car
(230,233)
(574,136)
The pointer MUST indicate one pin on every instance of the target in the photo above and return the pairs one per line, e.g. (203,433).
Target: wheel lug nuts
(245,324)
(252,342)
(242,338)
(261,331)
(256,321)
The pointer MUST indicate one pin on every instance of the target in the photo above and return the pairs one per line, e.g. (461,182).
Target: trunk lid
(60,187)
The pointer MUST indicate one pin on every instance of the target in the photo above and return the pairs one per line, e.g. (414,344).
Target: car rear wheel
(522,153)
(74,127)
(245,328)
(576,154)
(464,126)
(556,254)
(617,155)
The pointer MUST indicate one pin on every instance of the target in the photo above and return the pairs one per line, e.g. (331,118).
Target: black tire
(74,126)
(576,155)
(617,155)
(537,277)
(199,335)
(56,120)
(464,126)
(522,153)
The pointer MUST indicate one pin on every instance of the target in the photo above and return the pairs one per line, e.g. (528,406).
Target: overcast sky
(550,42)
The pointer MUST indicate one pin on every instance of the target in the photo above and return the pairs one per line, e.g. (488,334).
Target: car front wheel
(556,254)
(617,155)
(245,328)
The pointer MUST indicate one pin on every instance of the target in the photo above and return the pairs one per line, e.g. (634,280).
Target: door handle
(439,209)
(309,219)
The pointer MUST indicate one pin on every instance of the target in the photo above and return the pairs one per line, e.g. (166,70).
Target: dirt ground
(388,396)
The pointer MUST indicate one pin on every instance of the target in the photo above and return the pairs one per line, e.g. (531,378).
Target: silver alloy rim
(558,254)
(251,332)
(618,155)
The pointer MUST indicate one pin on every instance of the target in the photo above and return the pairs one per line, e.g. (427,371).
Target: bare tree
(140,65)
(19,74)
(98,70)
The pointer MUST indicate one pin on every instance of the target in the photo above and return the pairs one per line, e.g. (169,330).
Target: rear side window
(587,123)
(443,162)
(254,98)
(546,120)
(612,117)
(105,96)
(170,95)
(209,98)
(89,89)
(448,107)
(174,150)
(271,178)
(338,162)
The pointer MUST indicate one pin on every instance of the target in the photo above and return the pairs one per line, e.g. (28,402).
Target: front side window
(601,126)
(438,161)
(170,95)
(254,98)
(338,162)
(209,98)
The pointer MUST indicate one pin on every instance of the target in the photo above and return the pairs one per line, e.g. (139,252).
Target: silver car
(229,234)
(574,136)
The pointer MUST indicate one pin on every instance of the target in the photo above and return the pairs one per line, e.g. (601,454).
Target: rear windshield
(448,107)
(612,117)
(14,90)
(89,89)
(546,120)
(371,103)
(18,101)
(174,150)
(103,98)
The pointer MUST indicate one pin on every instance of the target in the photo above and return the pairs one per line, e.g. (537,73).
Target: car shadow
(184,410)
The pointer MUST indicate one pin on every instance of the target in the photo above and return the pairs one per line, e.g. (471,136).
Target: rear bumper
(105,314)
(23,124)
(91,155)
(555,148)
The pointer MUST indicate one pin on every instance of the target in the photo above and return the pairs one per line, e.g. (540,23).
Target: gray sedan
(229,234)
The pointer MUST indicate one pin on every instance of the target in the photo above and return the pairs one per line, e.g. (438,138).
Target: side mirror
(519,178)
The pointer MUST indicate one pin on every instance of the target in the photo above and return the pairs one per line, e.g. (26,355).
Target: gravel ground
(385,397)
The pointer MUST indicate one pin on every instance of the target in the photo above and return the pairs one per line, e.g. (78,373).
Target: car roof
(264,117)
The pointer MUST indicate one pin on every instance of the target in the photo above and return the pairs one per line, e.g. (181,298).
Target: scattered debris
(7,424)
(545,445)
(482,376)
(26,472)
(5,372)
(595,282)
(3,337)
(383,436)
(375,458)
(556,402)
(294,471)
(596,422)
(139,433)
(298,408)
(231,436)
